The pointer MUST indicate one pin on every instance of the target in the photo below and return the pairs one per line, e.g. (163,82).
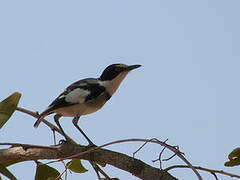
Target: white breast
(112,86)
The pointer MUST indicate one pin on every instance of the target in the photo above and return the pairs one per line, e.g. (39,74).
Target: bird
(86,96)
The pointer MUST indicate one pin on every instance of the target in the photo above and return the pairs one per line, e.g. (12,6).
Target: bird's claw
(62,141)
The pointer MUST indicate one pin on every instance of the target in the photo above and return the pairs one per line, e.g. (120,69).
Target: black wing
(78,92)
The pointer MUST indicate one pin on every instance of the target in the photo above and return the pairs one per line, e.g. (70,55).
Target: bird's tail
(40,118)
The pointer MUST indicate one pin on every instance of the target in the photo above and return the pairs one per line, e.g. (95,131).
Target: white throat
(112,86)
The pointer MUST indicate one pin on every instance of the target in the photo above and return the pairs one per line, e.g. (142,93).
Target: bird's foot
(64,141)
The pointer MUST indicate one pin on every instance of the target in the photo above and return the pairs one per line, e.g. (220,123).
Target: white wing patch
(77,95)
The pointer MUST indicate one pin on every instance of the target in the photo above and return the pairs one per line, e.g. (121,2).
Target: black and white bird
(86,96)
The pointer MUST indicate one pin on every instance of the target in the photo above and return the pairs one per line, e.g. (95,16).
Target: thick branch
(119,160)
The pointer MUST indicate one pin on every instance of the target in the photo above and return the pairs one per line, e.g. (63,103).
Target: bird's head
(113,75)
(112,71)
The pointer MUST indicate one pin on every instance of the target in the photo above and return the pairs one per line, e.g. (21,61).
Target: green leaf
(234,158)
(7,107)
(76,166)
(6,172)
(232,163)
(10,163)
(103,164)
(45,172)
(234,154)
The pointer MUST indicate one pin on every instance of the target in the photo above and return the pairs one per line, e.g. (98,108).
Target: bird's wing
(78,92)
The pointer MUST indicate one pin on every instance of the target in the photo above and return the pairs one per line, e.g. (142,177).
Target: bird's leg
(54,136)
(56,119)
(75,123)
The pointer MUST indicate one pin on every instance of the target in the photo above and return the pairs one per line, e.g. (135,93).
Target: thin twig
(212,171)
(160,156)
(65,171)
(134,153)
(214,174)
(167,159)
(95,169)
(102,172)
(66,174)
(98,169)
(65,166)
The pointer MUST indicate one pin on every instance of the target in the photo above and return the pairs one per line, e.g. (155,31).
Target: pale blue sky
(187,89)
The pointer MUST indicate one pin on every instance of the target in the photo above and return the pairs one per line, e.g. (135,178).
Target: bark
(132,165)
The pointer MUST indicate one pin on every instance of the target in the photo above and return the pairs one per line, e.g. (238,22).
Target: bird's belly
(80,109)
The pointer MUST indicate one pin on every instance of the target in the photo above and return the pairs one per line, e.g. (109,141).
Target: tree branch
(212,171)
(119,160)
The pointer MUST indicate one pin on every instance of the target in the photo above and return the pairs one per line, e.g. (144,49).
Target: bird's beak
(131,67)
